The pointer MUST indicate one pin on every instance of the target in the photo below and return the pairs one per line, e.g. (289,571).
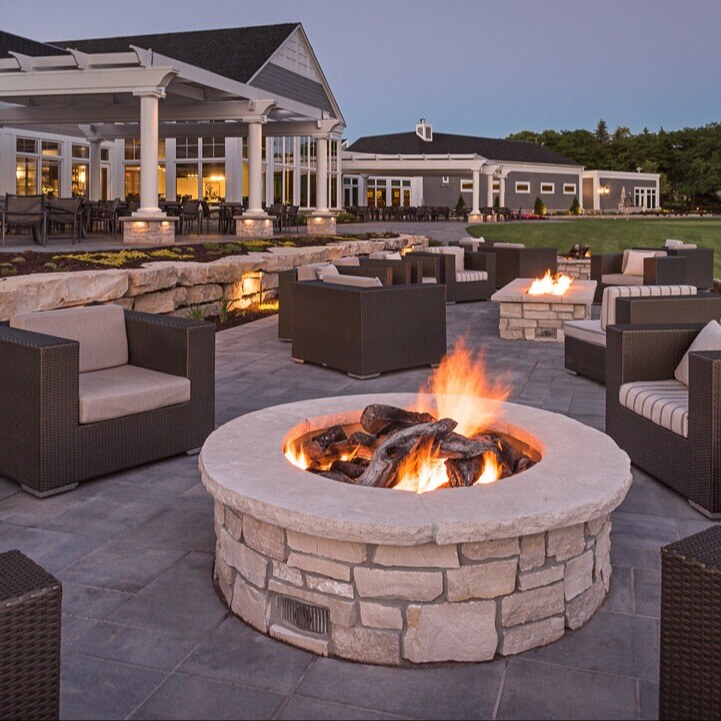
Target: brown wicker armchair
(69,416)
(671,433)
(519,262)
(368,331)
(467,276)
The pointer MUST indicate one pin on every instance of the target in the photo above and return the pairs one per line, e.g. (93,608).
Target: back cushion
(357,281)
(509,245)
(100,330)
(328,271)
(453,250)
(632,263)
(614,292)
(310,271)
(708,339)
(349,260)
(671,243)
(472,243)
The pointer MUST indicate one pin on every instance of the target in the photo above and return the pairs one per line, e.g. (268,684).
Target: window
(81,151)
(548,188)
(466,186)
(25,145)
(213,182)
(186,181)
(51,148)
(569,189)
(132,149)
(523,186)
(186,148)
(50,178)
(496,186)
(26,176)
(105,154)
(213,147)
(79,179)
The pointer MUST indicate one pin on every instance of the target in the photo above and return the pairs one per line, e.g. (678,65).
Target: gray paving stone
(540,691)
(648,694)
(620,598)
(647,592)
(301,707)
(91,602)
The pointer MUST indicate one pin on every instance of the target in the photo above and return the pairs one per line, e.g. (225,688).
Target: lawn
(608,235)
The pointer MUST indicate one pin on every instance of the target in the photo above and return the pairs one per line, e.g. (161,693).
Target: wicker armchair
(467,276)
(607,269)
(367,331)
(68,416)
(699,264)
(687,455)
(519,262)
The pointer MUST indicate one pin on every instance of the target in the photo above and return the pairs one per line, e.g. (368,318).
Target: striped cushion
(589,331)
(467,276)
(612,294)
(663,402)
(454,250)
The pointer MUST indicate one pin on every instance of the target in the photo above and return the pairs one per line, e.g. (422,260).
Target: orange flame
(461,391)
(551,284)
(295,453)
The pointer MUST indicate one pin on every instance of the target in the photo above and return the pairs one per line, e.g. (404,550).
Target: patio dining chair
(66,212)
(190,215)
(104,215)
(209,214)
(26,211)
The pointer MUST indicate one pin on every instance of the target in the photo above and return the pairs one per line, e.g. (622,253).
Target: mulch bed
(31,261)
(247,315)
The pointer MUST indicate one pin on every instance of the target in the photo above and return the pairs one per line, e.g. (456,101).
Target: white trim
(466,185)
(619,175)
(552,191)
(527,183)
(573,191)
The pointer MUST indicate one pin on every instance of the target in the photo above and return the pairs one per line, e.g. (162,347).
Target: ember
(444,442)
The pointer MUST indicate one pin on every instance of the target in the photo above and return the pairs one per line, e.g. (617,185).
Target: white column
(475,209)
(339,180)
(255,169)
(95,165)
(321,175)
(149,154)
(489,190)
(8,179)
(363,191)
(66,169)
(502,193)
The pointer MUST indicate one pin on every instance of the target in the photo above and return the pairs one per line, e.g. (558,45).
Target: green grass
(608,235)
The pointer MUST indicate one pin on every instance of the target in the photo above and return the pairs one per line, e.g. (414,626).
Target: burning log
(524,464)
(335,434)
(463,471)
(363,439)
(336,476)
(381,471)
(379,419)
(454,445)
(352,469)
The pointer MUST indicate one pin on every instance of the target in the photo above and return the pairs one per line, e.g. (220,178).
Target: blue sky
(468,66)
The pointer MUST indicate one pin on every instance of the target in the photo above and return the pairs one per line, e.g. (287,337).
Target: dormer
(424,130)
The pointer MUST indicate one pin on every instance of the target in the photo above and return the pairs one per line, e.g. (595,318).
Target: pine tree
(575,207)
(539,207)
(602,132)
(460,204)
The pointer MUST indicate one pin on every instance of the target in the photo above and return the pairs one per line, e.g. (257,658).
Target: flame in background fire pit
(550,284)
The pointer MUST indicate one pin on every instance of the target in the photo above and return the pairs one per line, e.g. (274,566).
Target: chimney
(424,130)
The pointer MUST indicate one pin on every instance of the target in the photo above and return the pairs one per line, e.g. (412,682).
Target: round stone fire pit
(391,577)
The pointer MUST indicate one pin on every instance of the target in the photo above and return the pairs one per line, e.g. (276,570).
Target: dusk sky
(468,66)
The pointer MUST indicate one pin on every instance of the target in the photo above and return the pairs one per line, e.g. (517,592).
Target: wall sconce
(604,190)
(140,225)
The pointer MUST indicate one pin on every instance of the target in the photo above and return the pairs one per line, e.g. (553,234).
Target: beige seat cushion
(589,331)
(310,271)
(671,243)
(621,279)
(469,276)
(385,255)
(124,390)
(356,281)
(99,329)
(471,243)
(509,245)
(663,402)
(708,339)
(348,261)
(429,279)
(614,292)
(456,251)
(632,263)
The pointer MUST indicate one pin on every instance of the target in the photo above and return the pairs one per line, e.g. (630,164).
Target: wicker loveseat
(669,430)
(88,391)
(659,268)
(365,331)
(467,276)
(350,266)
(585,340)
(514,260)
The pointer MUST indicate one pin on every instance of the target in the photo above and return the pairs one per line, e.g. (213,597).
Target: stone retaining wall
(173,287)
(575,267)
(414,604)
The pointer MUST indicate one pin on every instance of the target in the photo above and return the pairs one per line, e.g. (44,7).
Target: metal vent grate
(304,616)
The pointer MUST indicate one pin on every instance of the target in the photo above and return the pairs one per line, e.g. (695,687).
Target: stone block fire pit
(541,317)
(388,576)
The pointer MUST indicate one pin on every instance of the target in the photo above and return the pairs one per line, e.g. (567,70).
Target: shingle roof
(235,53)
(449,144)
(25,46)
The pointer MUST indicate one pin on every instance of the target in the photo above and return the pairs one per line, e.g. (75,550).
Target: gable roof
(235,53)
(25,46)
(450,144)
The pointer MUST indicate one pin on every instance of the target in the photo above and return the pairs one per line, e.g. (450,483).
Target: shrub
(460,204)
(345,217)
(195,312)
(575,207)
(539,207)
(50,266)
(7,269)
(497,202)
(18,260)
(224,308)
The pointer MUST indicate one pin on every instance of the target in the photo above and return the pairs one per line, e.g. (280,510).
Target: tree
(460,204)
(602,132)
(621,132)
(575,207)
(539,207)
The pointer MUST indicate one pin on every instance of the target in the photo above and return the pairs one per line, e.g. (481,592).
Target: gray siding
(615,186)
(554,201)
(293,86)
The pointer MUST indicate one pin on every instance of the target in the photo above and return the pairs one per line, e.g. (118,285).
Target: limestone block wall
(428,603)
(172,287)
(575,267)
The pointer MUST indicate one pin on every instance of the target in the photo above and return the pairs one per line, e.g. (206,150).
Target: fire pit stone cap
(581,291)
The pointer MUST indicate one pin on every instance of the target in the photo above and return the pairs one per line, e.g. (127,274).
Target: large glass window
(104,182)
(81,151)
(50,148)
(132,149)
(132,182)
(50,178)
(186,148)
(105,154)
(213,147)
(186,181)
(213,182)
(79,179)
(26,145)
(26,176)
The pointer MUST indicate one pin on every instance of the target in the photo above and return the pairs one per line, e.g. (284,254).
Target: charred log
(352,469)
(334,434)
(381,471)
(454,445)
(463,471)
(363,439)
(336,476)
(379,419)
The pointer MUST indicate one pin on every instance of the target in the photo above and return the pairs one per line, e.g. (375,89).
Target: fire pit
(540,316)
(387,576)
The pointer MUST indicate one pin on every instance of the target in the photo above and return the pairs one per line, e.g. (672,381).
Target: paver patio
(145,636)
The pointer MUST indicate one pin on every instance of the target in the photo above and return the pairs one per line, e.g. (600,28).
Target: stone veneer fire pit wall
(390,577)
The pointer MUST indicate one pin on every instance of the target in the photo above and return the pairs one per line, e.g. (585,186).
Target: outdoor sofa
(349,266)
(514,260)
(467,276)
(585,340)
(638,266)
(370,329)
(90,391)
(667,420)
